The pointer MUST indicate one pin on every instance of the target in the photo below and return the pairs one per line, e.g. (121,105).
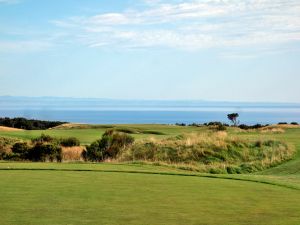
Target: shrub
(108,146)
(113,142)
(282,123)
(45,152)
(94,152)
(216,171)
(20,151)
(221,127)
(20,148)
(43,138)
(214,123)
(70,142)
(180,124)
(195,125)
(294,123)
(233,170)
(247,127)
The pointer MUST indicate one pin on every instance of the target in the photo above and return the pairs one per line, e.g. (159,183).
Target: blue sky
(151,49)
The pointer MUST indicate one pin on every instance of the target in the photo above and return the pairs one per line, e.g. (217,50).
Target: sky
(224,50)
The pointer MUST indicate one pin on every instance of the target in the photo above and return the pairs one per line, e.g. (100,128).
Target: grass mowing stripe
(160,173)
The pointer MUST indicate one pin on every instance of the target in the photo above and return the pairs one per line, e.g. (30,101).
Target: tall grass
(214,152)
(72,153)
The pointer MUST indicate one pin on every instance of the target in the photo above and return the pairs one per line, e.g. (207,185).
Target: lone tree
(233,118)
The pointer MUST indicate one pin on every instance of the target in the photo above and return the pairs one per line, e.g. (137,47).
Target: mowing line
(155,173)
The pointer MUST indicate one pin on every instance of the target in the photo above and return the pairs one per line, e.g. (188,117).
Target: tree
(233,118)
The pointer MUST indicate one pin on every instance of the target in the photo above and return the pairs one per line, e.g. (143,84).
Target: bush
(195,125)
(70,142)
(94,152)
(20,151)
(216,171)
(233,170)
(221,127)
(256,126)
(45,152)
(282,123)
(20,148)
(43,138)
(215,123)
(294,123)
(180,124)
(113,142)
(108,146)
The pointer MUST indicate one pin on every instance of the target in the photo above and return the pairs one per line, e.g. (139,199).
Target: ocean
(106,111)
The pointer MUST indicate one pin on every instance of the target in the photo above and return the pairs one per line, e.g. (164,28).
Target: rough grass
(71,154)
(213,152)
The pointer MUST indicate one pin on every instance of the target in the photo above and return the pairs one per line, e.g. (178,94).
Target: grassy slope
(288,172)
(292,167)
(60,197)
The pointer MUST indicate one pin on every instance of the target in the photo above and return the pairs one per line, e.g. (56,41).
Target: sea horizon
(118,111)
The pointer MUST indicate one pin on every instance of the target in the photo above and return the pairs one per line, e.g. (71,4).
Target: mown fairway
(70,193)
(77,197)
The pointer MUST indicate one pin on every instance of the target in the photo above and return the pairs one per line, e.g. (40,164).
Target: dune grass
(210,151)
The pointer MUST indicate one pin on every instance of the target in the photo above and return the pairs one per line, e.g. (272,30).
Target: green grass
(80,193)
(62,197)
(90,134)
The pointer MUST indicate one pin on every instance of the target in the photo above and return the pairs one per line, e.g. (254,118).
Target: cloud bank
(190,25)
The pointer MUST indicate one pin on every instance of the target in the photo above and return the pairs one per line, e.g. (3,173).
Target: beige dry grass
(3,128)
(67,126)
(272,130)
(283,126)
(72,153)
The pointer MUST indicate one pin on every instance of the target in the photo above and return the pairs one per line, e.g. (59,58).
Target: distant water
(102,111)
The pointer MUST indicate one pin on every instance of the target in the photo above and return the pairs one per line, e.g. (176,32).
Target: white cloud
(191,25)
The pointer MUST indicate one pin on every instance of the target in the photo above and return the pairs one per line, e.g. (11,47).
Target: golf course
(120,192)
